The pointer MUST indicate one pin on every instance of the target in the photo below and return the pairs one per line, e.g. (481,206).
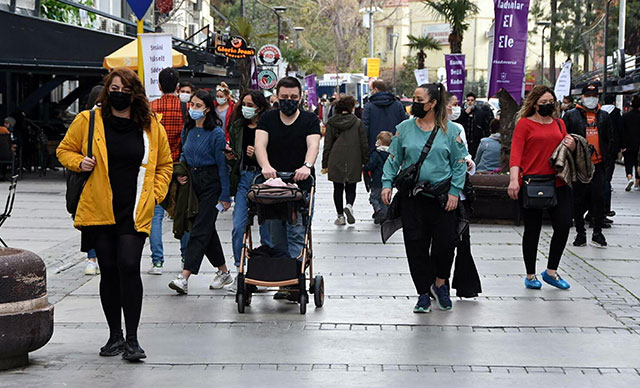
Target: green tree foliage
(405,79)
(422,44)
(457,13)
(51,9)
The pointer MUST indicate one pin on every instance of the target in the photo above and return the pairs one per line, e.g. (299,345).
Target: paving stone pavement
(366,334)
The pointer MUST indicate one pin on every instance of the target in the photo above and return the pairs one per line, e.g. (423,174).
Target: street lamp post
(395,46)
(298,31)
(606,48)
(277,11)
(546,24)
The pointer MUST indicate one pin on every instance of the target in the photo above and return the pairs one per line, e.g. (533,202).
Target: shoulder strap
(427,148)
(92,121)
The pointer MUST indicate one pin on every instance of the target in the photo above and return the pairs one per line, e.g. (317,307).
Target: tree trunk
(455,43)
(421,58)
(552,43)
(508,113)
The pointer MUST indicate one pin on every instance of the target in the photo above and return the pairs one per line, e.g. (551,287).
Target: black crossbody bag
(407,179)
(539,191)
(77,180)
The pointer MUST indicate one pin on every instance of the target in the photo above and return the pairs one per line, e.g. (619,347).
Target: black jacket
(631,130)
(476,125)
(376,165)
(576,122)
(616,130)
(382,113)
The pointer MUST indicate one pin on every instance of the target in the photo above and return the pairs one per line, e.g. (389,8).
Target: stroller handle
(285,176)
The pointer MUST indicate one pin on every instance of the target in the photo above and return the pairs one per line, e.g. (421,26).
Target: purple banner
(312,94)
(509,47)
(455,74)
(254,74)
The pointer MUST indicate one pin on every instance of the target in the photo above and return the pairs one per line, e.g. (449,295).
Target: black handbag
(539,191)
(406,179)
(77,180)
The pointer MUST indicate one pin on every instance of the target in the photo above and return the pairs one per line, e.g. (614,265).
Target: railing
(631,69)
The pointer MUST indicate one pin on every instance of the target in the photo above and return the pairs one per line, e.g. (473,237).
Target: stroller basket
(269,195)
(273,269)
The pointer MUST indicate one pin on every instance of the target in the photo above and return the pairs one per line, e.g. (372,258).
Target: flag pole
(140,59)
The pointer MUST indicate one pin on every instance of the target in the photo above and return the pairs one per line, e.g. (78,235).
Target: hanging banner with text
(455,65)
(509,47)
(156,55)
(312,93)
(563,84)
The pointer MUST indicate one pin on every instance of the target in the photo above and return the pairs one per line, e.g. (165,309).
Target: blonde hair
(529,105)
(385,138)
(224,88)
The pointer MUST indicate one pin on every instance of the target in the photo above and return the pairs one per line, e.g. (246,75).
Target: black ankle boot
(132,350)
(114,346)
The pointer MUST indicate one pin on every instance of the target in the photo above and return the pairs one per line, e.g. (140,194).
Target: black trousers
(561,223)
(349,189)
(631,162)
(610,167)
(119,258)
(429,240)
(466,280)
(204,239)
(590,197)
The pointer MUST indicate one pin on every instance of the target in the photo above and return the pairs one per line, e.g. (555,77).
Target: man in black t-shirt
(287,140)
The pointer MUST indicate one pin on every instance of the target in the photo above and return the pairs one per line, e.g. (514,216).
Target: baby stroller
(267,267)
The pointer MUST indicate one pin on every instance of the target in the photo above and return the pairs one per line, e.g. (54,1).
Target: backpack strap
(92,122)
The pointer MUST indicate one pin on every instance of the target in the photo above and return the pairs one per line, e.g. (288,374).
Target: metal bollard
(26,316)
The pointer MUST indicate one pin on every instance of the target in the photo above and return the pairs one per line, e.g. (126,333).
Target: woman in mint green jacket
(428,218)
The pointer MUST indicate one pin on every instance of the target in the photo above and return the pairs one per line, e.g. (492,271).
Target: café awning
(127,56)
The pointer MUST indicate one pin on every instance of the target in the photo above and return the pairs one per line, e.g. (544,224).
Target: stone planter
(492,201)
(26,316)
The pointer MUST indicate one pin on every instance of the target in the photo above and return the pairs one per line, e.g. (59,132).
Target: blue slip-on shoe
(555,281)
(441,294)
(532,284)
(423,305)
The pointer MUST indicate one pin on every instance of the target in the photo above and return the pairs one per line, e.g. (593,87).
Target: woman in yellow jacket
(131,169)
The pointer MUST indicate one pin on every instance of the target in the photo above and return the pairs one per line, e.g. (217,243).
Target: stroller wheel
(304,299)
(318,291)
(240,300)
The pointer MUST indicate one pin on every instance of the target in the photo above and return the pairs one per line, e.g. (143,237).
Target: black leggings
(631,162)
(429,240)
(349,189)
(120,284)
(560,221)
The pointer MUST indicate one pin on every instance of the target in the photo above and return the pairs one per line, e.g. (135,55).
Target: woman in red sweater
(537,134)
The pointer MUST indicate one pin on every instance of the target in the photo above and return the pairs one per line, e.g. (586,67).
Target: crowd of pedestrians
(194,154)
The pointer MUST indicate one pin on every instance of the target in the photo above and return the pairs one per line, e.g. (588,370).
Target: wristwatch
(308,165)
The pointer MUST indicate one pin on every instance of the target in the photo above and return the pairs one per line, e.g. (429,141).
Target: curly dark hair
(345,104)
(140,107)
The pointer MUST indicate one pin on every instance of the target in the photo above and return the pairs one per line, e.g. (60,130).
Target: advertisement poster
(563,84)
(156,55)
(312,95)
(455,65)
(509,47)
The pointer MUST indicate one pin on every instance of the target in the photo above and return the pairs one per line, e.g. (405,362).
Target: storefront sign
(269,55)
(439,32)
(509,47)
(455,64)
(156,55)
(267,79)
(235,48)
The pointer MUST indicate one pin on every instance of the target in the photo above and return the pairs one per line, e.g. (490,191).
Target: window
(389,38)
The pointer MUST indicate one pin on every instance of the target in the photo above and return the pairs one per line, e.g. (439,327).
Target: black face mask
(417,110)
(119,101)
(546,109)
(289,107)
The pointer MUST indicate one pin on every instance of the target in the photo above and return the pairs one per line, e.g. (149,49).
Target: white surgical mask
(184,97)
(221,100)
(590,102)
(455,113)
(249,112)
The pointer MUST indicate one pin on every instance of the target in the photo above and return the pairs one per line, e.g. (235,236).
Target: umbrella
(127,56)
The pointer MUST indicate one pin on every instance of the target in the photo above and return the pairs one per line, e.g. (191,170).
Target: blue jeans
(92,254)
(240,211)
(286,237)
(155,238)
(375,199)
(184,240)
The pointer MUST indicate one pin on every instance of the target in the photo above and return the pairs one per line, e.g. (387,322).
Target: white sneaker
(636,188)
(234,286)
(629,185)
(180,285)
(220,280)
(92,268)
(155,270)
(340,221)
(348,211)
